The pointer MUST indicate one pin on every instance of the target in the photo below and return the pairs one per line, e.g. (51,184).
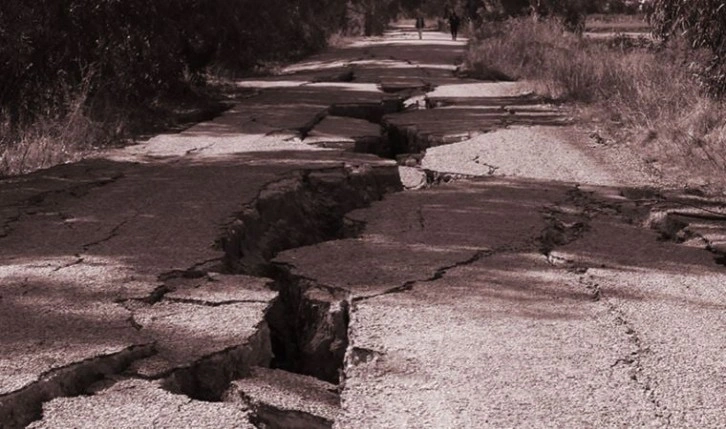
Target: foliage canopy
(703,24)
(135,51)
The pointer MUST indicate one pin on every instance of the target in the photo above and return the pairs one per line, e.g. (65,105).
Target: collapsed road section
(331,300)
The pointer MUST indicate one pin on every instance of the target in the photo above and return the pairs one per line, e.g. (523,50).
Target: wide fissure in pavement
(309,326)
(307,322)
(302,210)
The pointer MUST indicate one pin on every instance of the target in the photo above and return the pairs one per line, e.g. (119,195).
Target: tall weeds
(58,135)
(647,94)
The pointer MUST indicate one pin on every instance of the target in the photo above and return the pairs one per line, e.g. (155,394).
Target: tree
(703,24)
(572,12)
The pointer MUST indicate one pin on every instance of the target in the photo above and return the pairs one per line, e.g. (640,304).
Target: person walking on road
(454,22)
(420,24)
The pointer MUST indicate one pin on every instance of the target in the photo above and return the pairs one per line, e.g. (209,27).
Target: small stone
(412,178)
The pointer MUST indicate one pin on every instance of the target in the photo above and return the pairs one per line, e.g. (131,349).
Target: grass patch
(645,95)
(46,142)
(59,134)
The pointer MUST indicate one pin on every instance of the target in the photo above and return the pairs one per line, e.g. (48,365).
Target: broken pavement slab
(61,331)
(187,334)
(533,152)
(206,332)
(498,93)
(351,134)
(536,152)
(412,235)
(214,289)
(283,399)
(134,403)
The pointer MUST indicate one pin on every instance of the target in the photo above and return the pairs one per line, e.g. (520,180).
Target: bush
(524,48)
(48,46)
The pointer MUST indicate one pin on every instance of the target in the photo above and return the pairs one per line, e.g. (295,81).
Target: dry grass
(647,96)
(78,126)
(51,139)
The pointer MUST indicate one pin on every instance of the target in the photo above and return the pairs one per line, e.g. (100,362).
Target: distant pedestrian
(454,22)
(420,24)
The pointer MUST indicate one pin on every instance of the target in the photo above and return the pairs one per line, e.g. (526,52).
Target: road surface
(368,241)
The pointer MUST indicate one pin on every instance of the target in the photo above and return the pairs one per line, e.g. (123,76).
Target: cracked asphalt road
(613,328)
(523,290)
